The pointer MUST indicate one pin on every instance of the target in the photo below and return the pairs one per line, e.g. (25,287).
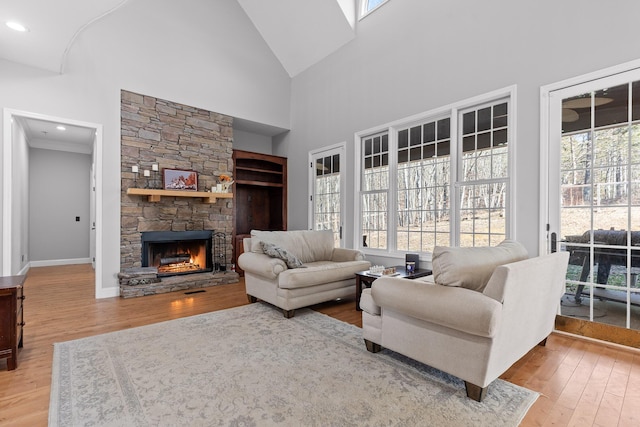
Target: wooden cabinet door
(7,320)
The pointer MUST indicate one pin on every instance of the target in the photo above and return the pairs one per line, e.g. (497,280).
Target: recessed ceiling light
(16,26)
(60,127)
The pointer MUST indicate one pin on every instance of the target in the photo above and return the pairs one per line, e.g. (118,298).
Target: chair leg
(252,299)
(289,313)
(543,343)
(475,392)
(372,347)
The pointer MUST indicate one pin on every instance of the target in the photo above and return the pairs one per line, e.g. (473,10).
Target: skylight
(368,6)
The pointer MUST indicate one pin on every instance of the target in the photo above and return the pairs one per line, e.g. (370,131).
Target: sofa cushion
(306,245)
(321,272)
(277,252)
(471,268)
(452,307)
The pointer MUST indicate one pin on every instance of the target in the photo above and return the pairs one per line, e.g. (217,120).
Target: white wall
(412,56)
(59,192)
(20,195)
(201,53)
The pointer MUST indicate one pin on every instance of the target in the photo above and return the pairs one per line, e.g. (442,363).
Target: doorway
(73,136)
(326,182)
(593,201)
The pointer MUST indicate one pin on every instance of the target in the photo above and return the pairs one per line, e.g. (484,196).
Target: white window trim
(451,110)
(362,13)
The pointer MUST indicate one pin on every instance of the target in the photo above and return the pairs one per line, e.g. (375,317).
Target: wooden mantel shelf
(156,195)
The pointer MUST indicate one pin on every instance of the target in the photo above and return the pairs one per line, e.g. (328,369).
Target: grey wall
(412,56)
(59,191)
(249,141)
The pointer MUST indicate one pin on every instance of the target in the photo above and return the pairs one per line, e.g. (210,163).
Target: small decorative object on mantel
(225,183)
(177,179)
(134,171)
(147,174)
(156,176)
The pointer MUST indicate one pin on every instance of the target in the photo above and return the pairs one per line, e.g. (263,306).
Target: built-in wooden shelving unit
(260,188)
(156,195)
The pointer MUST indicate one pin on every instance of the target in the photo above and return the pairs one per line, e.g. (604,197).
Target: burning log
(176,259)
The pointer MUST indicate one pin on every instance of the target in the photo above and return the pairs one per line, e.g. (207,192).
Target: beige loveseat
(303,268)
(481,311)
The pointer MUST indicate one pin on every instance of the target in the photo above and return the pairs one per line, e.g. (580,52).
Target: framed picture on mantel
(177,179)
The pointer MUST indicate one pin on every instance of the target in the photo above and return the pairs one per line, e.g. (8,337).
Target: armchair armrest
(457,308)
(344,254)
(261,264)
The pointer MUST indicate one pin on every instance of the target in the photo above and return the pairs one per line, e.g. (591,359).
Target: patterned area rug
(249,366)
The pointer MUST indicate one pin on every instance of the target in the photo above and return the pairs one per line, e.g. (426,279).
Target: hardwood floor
(581,383)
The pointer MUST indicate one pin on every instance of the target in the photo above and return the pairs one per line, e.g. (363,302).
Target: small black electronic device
(411,263)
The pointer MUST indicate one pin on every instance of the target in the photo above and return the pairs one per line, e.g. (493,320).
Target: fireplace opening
(177,252)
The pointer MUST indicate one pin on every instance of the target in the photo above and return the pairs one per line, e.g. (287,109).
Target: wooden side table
(364,278)
(11,318)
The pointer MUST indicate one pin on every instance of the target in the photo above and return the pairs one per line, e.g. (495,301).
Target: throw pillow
(274,251)
(472,268)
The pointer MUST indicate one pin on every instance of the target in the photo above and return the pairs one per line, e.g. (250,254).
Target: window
(483,175)
(424,170)
(374,195)
(368,6)
(448,179)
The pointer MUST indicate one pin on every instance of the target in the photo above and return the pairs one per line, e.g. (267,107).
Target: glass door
(326,192)
(594,199)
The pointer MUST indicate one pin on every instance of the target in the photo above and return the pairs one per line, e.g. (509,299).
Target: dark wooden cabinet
(260,195)
(11,318)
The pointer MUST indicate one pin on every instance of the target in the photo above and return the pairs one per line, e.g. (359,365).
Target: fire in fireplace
(177,252)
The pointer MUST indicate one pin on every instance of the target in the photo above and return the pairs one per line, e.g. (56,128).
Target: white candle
(154,167)
(147,172)
(134,168)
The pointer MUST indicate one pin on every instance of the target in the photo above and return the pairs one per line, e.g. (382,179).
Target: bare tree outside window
(436,184)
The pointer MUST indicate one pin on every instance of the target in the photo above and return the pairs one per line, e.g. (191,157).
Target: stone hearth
(173,136)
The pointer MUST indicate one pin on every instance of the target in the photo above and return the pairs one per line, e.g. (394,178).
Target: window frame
(509,94)
(362,10)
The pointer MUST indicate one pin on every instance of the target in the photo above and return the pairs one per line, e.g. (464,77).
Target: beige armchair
(294,269)
(469,329)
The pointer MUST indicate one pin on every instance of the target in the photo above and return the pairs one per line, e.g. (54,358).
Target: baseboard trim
(108,293)
(54,262)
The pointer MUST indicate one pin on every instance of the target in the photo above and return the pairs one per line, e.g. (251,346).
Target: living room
(405,58)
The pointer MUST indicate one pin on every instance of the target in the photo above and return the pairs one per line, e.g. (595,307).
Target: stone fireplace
(176,253)
(172,136)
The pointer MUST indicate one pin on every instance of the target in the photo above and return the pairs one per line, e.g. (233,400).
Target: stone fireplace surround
(174,136)
(176,253)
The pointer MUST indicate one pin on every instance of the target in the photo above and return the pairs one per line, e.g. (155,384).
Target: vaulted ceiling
(300,33)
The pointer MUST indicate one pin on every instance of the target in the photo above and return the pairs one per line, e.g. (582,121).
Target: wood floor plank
(559,415)
(555,385)
(608,412)
(587,407)
(579,381)
(538,413)
(630,412)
